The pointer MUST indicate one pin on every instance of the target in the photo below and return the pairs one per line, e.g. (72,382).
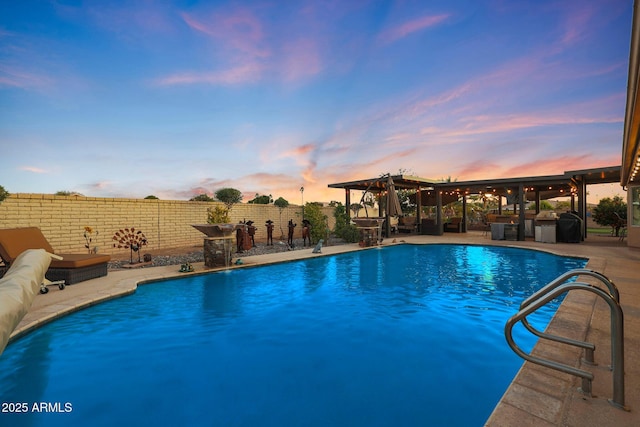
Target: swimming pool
(404,335)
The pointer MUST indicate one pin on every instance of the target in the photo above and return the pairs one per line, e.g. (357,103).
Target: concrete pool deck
(538,396)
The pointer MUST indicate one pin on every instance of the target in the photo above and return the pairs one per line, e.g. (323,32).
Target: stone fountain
(218,244)
(370,230)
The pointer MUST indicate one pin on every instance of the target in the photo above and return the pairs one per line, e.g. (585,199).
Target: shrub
(201,198)
(318,220)
(3,193)
(218,215)
(261,200)
(343,228)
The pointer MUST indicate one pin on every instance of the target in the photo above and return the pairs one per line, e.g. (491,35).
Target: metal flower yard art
(88,237)
(130,239)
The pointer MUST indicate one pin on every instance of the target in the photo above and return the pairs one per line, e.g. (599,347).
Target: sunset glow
(178,98)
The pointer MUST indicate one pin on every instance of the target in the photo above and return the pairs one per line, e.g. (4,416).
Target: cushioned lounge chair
(73,268)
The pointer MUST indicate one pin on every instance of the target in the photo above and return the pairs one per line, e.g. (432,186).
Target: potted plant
(218,219)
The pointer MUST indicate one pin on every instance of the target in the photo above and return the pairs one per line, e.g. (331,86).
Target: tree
(611,212)
(261,200)
(545,205)
(67,193)
(3,193)
(282,205)
(229,196)
(201,198)
(151,197)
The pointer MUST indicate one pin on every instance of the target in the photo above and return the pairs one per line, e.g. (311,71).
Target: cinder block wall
(165,223)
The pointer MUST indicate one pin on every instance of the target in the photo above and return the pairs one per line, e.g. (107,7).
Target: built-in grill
(570,228)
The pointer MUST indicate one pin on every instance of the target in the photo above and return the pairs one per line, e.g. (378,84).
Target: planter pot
(215,230)
(367,222)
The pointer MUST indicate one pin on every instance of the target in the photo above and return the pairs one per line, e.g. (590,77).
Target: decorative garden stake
(130,239)
(88,237)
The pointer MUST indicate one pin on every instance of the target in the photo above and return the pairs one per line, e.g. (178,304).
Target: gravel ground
(191,255)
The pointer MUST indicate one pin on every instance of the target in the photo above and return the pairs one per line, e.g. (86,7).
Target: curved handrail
(617,339)
(588,347)
(613,290)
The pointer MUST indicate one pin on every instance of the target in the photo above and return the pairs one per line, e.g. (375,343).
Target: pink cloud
(233,76)
(301,59)
(577,25)
(33,169)
(101,185)
(400,31)
(301,150)
(15,77)
(534,166)
(239,30)
(550,166)
(248,49)
(477,125)
(126,21)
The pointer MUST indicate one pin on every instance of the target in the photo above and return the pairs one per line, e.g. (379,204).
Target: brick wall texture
(165,223)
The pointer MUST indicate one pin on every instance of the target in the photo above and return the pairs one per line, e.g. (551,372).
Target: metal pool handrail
(588,347)
(552,291)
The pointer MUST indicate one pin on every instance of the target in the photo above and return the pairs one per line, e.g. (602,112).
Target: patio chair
(620,226)
(72,268)
(407,224)
(454,225)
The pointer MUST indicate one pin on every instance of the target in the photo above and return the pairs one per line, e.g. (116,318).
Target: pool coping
(537,396)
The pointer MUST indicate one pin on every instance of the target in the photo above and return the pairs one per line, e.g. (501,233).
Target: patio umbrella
(393,203)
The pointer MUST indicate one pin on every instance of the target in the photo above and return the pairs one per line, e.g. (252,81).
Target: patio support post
(537,201)
(439,223)
(521,212)
(419,210)
(582,204)
(347,201)
(464,213)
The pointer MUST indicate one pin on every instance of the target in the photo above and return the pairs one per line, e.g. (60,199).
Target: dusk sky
(178,98)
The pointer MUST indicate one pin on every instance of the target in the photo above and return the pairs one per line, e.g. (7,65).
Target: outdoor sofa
(73,268)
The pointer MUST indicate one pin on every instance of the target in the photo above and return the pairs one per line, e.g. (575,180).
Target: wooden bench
(73,268)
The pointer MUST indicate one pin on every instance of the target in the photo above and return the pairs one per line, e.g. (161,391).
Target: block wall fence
(165,223)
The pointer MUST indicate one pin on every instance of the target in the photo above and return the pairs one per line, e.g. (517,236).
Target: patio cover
(570,184)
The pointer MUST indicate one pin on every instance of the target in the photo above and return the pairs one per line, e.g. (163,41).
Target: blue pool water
(401,336)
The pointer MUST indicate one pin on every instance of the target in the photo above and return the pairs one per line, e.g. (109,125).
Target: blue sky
(177,98)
